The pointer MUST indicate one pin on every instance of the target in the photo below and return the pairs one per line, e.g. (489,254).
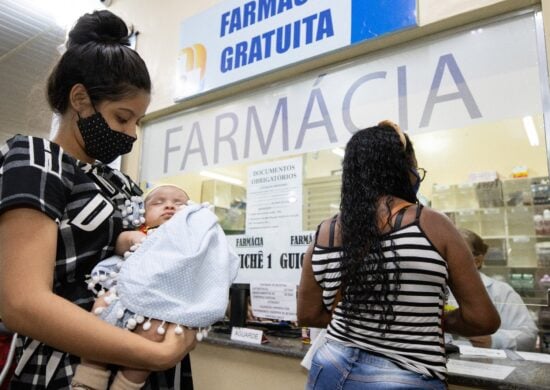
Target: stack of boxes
(512,216)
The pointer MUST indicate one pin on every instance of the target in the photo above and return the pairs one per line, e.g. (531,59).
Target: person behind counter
(389,259)
(517,329)
(61,213)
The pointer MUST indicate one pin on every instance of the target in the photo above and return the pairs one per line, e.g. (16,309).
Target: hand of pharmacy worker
(481,341)
(128,241)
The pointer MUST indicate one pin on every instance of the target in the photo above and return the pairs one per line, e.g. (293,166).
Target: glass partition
(478,132)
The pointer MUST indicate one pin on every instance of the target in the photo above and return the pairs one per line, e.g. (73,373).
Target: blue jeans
(336,367)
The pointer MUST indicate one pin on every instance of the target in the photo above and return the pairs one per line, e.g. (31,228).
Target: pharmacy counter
(218,362)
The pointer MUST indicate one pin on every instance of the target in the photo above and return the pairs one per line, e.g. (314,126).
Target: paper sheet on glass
(535,357)
(484,370)
(468,350)
(273,300)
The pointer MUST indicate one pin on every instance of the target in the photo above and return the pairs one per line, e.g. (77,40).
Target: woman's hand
(481,341)
(172,348)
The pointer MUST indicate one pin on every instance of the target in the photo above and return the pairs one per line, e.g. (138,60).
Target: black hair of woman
(377,166)
(98,56)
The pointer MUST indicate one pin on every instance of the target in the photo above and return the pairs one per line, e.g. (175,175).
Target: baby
(180,274)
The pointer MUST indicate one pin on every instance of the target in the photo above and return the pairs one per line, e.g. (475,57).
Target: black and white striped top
(414,339)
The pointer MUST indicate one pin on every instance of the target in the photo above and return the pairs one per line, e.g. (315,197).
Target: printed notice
(484,370)
(276,301)
(468,350)
(534,357)
(274,196)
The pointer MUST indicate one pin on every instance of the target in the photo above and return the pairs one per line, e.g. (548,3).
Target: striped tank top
(414,340)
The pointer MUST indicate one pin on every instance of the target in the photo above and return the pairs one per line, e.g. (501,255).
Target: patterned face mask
(100,141)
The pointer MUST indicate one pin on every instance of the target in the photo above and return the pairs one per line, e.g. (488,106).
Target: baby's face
(162,204)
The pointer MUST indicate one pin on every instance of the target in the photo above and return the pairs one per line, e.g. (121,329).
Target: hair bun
(100,27)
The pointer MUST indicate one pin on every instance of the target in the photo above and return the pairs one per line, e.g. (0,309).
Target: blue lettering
(284,5)
(249,13)
(308,21)
(255,50)
(325,28)
(224,23)
(266,9)
(267,36)
(240,54)
(227,59)
(297,34)
(235,21)
(280,40)
(283,38)
(300,2)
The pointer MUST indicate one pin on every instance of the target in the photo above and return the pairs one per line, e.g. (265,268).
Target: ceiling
(30,35)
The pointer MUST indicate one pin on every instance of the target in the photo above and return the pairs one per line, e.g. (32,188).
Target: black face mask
(100,141)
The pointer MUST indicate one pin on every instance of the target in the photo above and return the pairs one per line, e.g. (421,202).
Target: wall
(223,368)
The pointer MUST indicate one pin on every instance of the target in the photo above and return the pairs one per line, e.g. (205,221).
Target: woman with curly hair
(377,272)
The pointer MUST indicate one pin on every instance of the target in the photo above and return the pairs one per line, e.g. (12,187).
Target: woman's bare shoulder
(439,228)
(323,237)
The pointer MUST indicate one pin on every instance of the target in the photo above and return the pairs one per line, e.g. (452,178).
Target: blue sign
(244,39)
(373,18)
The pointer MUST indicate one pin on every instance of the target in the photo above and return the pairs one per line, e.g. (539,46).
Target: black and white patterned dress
(85,201)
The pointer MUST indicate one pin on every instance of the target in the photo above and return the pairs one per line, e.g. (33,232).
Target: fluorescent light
(66,12)
(217,176)
(531,130)
(339,151)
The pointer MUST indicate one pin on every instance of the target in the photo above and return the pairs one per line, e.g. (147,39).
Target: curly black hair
(376,165)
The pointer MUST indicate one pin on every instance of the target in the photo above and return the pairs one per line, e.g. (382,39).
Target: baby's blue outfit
(181,273)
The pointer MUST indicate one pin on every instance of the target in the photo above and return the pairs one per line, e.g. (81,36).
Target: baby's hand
(128,241)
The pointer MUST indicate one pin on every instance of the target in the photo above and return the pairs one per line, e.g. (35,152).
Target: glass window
(475,118)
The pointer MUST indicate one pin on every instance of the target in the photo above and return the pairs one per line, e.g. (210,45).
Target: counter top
(528,375)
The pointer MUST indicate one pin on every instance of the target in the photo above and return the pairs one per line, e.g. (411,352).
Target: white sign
(276,257)
(276,301)
(454,81)
(246,335)
(274,196)
(535,357)
(243,39)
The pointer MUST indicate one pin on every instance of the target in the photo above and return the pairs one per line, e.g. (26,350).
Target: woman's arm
(28,241)
(311,311)
(476,314)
